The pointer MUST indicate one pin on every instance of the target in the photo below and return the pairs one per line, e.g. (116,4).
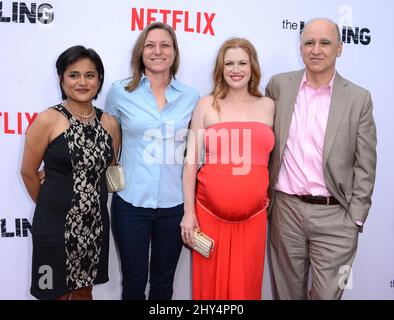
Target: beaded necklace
(82,117)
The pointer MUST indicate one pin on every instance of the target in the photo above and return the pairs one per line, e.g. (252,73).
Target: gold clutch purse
(203,244)
(115,178)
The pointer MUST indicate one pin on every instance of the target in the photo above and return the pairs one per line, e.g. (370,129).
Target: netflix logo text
(16,122)
(188,21)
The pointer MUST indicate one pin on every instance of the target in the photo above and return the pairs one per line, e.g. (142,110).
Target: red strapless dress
(231,201)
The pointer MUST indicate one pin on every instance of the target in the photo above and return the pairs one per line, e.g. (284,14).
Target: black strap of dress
(99,113)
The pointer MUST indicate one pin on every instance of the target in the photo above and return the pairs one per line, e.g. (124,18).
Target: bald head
(320,47)
(325,23)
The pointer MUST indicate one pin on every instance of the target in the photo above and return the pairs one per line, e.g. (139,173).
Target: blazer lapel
(337,108)
(288,104)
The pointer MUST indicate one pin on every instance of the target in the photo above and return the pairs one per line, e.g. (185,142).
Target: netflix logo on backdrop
(182,20)
(16,122)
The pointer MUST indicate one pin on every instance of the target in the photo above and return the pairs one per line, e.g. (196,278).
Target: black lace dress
(71,224)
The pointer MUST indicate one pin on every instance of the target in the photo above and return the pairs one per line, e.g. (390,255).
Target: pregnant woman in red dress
(227,197)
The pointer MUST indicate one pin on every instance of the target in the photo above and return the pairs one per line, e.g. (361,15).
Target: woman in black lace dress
(76,142)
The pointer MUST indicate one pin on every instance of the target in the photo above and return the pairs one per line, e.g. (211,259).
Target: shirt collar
(304,82)
(173,83)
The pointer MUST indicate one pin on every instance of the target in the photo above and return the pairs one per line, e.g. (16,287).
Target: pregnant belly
(230,196)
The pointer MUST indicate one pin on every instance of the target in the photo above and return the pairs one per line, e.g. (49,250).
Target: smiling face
(81,81)
(320,47)
(237,70)
(158,53)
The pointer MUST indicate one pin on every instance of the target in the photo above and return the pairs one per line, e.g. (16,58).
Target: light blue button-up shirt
(153,142)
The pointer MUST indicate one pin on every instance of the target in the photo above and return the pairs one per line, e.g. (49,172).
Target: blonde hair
(221,87)
(137,65)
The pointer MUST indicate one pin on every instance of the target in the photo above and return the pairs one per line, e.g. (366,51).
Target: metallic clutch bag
(203,244)
(115,178)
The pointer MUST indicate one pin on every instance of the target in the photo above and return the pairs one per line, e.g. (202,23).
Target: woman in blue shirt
(154,111)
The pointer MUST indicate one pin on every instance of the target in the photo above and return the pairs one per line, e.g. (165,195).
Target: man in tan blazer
(322,170)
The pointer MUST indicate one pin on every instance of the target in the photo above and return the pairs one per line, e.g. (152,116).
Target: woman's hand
(41,176)
(188,223)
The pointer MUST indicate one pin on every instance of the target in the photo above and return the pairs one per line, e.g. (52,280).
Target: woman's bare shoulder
(204,104)
(48,117)
(109,118)
(206,101)
(267,103)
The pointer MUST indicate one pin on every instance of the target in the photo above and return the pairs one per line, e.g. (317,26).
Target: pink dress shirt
(301,171)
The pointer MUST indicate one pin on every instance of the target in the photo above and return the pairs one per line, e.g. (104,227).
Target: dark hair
(137,65)
(73,54)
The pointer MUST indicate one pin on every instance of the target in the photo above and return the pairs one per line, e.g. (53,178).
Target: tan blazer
(349,155)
